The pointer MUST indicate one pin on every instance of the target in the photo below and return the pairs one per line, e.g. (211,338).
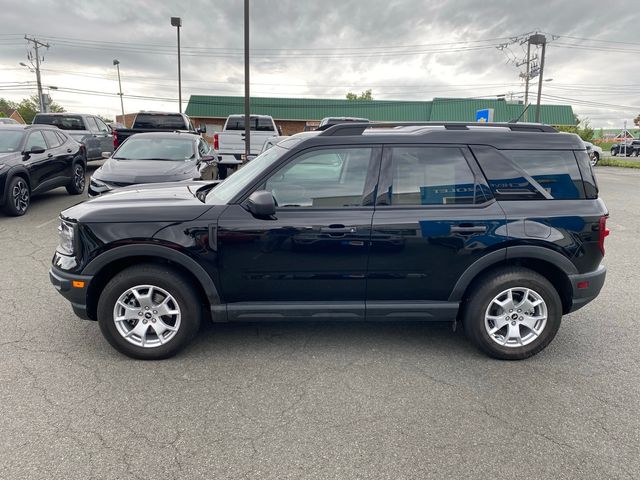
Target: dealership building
(294,114)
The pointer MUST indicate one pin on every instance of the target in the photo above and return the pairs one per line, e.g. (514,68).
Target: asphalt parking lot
(319,400)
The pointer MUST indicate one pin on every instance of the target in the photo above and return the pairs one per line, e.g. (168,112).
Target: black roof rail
(350,129)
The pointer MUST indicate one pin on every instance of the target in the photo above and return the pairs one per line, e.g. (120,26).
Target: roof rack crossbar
(352,129)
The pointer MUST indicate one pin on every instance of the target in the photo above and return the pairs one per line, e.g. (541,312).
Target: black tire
(78,181)
(614,152)
(17,197)
(489,287)
(595,159)
(162,277)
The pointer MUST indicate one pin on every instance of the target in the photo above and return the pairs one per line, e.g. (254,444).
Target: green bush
(614,162)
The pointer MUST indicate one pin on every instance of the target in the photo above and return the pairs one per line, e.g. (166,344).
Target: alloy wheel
(147,316)
(21,196)
(516,317)
(78,178)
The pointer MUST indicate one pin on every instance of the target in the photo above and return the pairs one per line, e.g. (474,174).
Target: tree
(105,119)
(582,129)
(28,108)
(637,120)
(366,95)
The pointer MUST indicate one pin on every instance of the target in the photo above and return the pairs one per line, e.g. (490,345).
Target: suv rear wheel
(149,312)
(513,314)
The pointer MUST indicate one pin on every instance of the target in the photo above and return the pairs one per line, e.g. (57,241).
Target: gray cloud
(148,63)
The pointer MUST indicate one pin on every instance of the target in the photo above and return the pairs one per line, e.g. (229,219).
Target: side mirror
(202,128)
(261,204)
(106,155)
(36,149)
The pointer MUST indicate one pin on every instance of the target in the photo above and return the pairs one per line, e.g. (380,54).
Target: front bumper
(74,288)
(586,286)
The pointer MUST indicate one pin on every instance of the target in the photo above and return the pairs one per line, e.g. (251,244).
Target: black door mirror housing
(34,150)
(261,204)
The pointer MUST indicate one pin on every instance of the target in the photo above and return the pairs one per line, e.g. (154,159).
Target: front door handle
(337,230)
(468,229)
(49,155)
(69,150)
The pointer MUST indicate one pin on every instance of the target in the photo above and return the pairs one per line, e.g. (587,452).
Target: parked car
(89,130)
(145,122)
(456,222)
(8,121)
(230,142)
(331,121)
(153,158)
(34,159)
(270,142)
(632,148)
(594,152)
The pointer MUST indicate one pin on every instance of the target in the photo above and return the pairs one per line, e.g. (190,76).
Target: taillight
(216,142)
(115,139)
(602,233)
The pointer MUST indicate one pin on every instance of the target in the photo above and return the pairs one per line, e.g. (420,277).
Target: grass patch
(614,162)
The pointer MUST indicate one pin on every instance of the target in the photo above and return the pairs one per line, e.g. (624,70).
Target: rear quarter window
(531,174)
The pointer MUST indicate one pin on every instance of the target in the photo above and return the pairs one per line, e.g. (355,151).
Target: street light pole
(117,64)
(177,22)
(247,104)
(526,80)
(539,39)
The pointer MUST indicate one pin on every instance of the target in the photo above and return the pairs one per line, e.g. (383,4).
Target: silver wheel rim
(147,316)
(516,317)
(78,177)
(20,196)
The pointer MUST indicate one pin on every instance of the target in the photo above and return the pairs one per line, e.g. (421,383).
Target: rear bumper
(68,285)
(586,286)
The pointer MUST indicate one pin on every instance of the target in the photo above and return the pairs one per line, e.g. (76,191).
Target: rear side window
(63,122)
(588,177)
(430,176)
(256,124)
(531,174)
(160,121)
(52,139)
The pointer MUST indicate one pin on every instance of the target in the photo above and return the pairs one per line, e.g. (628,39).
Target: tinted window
(531,174)
(257,123)
(148,148)
(588,177)
(430,176)
(322,178)
(64,122)
(35,140)
(10,140)
(52,139)
(160,121)
(62,137)
(101,125)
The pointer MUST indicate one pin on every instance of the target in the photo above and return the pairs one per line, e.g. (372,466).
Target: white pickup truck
(230,142)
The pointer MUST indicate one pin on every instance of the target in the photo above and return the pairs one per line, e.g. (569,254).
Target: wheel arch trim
(509,253)
(156,251)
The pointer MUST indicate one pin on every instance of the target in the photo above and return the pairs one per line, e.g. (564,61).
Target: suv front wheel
(512,313)
(149,312)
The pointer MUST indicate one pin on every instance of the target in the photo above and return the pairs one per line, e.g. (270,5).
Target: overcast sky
(400,49)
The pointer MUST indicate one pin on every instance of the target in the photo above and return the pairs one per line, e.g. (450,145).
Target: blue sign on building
(485,115)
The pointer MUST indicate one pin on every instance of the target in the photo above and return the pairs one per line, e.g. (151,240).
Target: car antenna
(515,120)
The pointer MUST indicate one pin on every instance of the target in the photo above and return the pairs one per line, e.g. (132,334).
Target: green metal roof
(452,109)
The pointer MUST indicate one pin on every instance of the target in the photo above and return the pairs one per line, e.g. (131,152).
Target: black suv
(34,159)
(632,148)
(498,226)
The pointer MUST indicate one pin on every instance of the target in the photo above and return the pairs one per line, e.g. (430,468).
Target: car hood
(146,171)
(161,202)
(4,157)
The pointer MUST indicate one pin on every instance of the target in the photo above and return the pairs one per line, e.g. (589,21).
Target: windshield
(64,122)
(10,140)
(146,148)
(233,185)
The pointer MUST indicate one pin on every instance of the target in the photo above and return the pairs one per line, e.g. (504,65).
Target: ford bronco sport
(498,226)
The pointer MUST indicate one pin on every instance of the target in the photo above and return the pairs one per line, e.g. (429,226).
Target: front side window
(430,176)
(35,140)
(91,124)
(326,178)
(101,125)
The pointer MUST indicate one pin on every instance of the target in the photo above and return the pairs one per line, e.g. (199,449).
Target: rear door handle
(468,229)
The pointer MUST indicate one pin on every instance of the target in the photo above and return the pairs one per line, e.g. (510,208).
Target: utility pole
(36,44)
(177,22)
(526,81)
(247,104)
(539,39)
(116,62)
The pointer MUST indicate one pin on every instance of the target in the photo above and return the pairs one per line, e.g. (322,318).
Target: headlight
(66,236)
(99,186)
